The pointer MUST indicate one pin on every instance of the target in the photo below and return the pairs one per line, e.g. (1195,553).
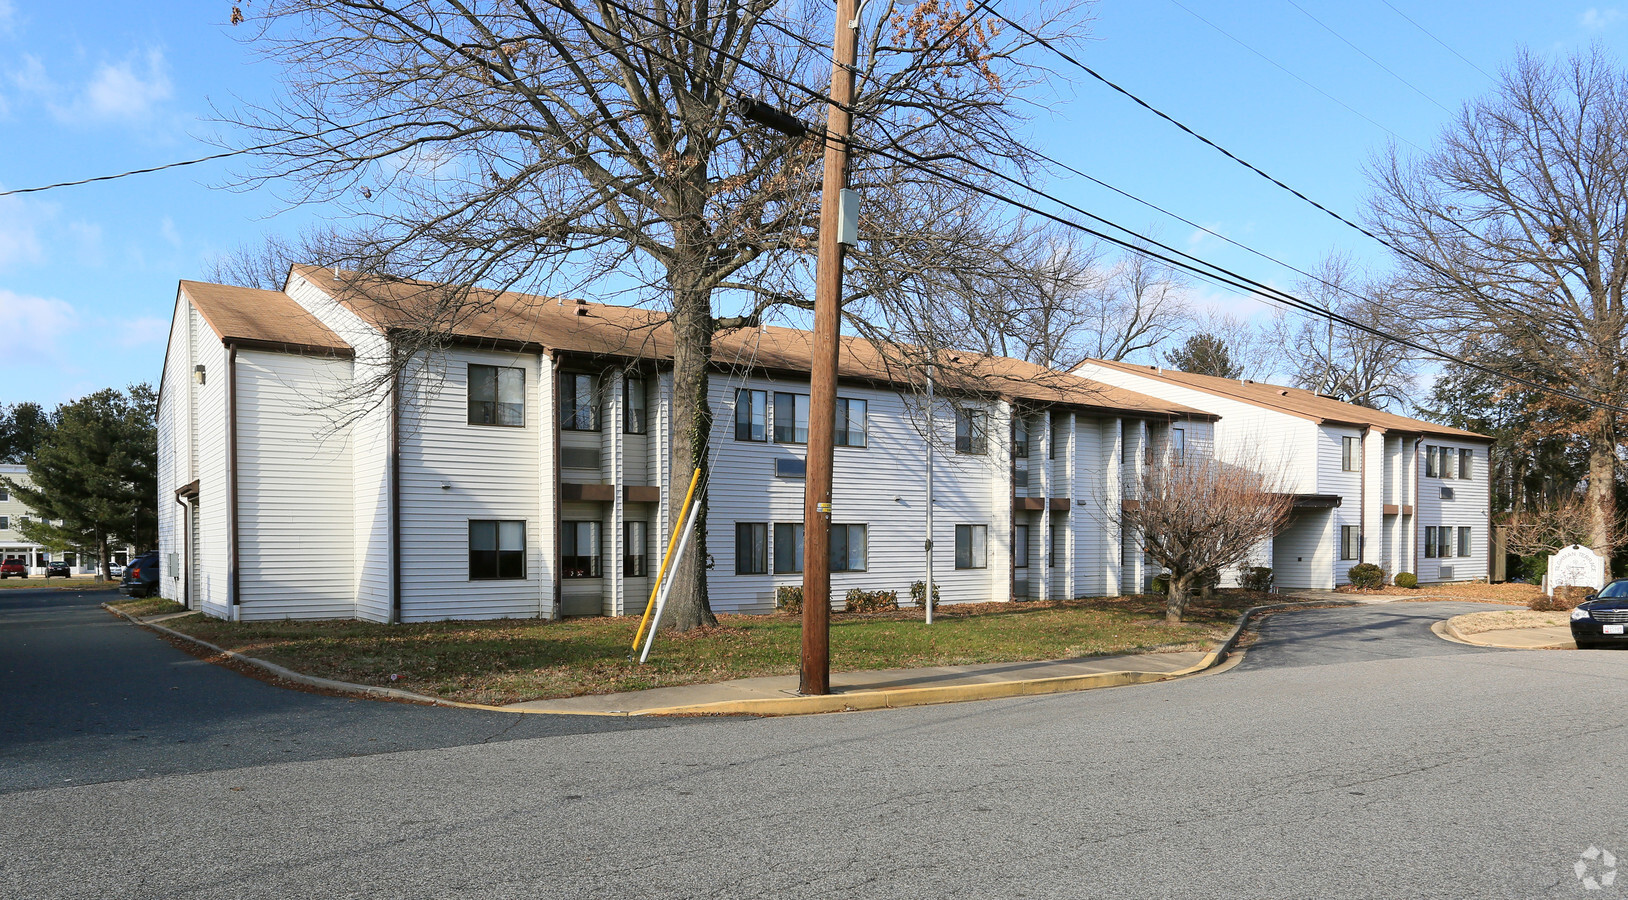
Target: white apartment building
(524,470)
(1370,486)
(13,546)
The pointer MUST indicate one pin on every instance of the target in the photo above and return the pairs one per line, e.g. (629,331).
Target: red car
(12,567)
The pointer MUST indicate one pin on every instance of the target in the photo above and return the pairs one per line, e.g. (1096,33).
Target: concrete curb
(895,698)
(1447,631)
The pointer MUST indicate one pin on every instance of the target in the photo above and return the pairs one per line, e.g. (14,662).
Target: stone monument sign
(1575,566)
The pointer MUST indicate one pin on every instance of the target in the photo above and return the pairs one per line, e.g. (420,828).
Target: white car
(114,570)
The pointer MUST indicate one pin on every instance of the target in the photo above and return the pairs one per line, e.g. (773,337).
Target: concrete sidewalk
(881,689)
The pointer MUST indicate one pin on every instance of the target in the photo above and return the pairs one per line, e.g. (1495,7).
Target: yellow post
(672,541)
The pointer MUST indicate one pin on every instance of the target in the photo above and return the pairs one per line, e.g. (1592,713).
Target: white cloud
(19,241)
(1595,18)
(42,319)
(142,331)
(128,91)
(166,230)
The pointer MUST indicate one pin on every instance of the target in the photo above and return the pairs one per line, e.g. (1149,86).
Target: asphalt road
(1389,768)
(87,697)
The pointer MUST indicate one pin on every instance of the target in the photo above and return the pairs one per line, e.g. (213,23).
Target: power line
(1229,36)
(1366,55)
(1438,40)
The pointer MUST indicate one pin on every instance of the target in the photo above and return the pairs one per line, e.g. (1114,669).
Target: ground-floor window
(579,550)
(1464,540)
(1438,541)
(971,546)
(1349,541)
(848,550)
(635,552)
(497,549)
(1020,546)
(788,548)
(1056,543)
(751,548)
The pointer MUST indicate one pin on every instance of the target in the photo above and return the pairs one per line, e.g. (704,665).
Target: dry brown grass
(1469,591)
(1477,623)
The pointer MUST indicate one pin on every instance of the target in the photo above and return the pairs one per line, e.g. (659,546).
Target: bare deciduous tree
(1515,228)
(1201,515)
(595,147)
(1547,528)
(1344,361)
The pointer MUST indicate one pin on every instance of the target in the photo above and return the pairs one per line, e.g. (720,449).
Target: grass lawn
(77,583)
(1473,591)
(146,606)
(510,660)
(1477,623)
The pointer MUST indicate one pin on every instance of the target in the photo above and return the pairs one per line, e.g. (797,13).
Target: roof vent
(1283,393)
(1245,381)
(582,310)
(581,302)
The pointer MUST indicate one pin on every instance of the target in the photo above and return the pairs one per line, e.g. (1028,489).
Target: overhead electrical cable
(1410,85)
(1438,40)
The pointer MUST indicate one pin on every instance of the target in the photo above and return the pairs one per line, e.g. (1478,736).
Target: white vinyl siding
(294,490)
(175,434)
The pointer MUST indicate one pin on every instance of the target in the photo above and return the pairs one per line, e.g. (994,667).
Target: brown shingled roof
(268,320)
(1293,401)
(519,320)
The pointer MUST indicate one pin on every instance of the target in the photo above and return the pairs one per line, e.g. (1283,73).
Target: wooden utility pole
(822,406)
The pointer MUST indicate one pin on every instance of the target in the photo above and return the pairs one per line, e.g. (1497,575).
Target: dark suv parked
(1602,619)
(141,576)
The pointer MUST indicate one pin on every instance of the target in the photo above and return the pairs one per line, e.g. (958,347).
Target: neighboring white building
(14,546)
(1370,486)
(524,470)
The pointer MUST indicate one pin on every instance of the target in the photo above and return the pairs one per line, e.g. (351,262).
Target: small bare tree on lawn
(1202,515)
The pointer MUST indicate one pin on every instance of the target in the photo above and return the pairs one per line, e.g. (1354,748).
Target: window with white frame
(1464,540)
(1431,469)
(580,556)
(788,548)
(751,548)
(497,395)
(637,420)
(1350,542)
(1020,546)
(850,423)
(848,548)
(1430,541)
(751,415)
(497,549)
(1178,446)
(579,409)
(790,418)
(1020,437)
(972,546)
(1449,463)
(1466,463)
(635,549)
(971,431)
(5,523)
(1350,454)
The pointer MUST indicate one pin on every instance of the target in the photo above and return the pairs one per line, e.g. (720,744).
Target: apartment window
(1430,541)
(579,550)
(971,431)
(850,423)
(5,523)
(971,546)
(1178,446)
(578,411)
(751,415)
(1349,541)
(1464,540)
(848,550)
(1059,434)
(790,418)
(1448,461)
(497,395)
(638,407)
(1055,542)
(635,549)
(788,548)
(751,548)
(1020,438)
(1466,464)
(4,495)
(1350,454)
(1020,546)
(1431,469)
(497,549)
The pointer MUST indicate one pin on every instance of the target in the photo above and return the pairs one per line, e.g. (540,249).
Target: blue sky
(88,274)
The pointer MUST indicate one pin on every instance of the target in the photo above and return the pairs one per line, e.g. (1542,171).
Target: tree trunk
(687,605)
(1176,598)
(1602,486)
(101,556)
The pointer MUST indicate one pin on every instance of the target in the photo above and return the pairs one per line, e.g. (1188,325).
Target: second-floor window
(850,422)
(1350,453)
(1431,469)
(1449,462)
(497,395)
(790,418)
(1465,463)
(638,409)
(5,523)
(971,431)
(1020,438)
(751,415)
(578,411)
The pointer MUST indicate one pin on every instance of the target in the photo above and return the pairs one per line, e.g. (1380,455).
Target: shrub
(1366,576)
(1565,598)
(1161,584)
(1406,580)
(859,601)
(1256,578)
(789,598)
(918,589)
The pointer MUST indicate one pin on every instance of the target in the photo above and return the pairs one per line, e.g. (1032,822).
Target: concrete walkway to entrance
(777,695)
